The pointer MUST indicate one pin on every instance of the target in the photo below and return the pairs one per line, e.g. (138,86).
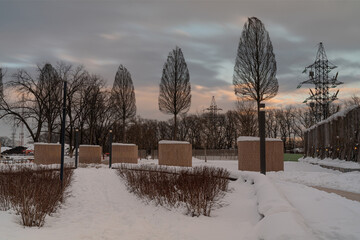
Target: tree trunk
(49,133)
(175,128)
(71,148)
(258,116)
(123,130)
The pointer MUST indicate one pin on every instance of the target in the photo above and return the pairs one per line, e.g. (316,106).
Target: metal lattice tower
(213,109)
(320,97)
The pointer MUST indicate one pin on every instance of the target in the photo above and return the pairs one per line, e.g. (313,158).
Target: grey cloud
(140,34)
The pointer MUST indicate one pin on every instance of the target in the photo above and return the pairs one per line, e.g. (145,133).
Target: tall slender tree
(123,97)
(175,89)
(255,64)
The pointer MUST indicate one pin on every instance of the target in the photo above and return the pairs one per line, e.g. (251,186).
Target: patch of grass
(198,189)
(33,193)
(292,157)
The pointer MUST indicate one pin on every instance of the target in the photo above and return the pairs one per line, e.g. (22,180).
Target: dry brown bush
(33,193)
(199,189)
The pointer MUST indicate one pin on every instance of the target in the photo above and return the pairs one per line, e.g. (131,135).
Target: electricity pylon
(320,98)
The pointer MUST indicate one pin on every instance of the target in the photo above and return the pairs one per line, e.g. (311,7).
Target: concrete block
(90,154)
(249,154)
(175,153)
(47,153)
(124,153)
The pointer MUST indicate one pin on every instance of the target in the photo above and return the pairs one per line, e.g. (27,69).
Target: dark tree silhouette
(39,102)
(50,90)
(1,82)
(175,89)
(255,64)
(123,97)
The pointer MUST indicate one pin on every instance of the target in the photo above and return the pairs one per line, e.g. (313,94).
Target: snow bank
(281,220)
(5,148)
(49,144)
(123,144)
(248,138)
(332,162)
(337,115)
(29,146)
(172,142)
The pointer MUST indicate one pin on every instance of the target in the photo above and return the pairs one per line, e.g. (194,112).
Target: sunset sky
(139,34)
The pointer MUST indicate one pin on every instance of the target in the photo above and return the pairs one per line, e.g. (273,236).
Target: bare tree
(144,133)
(272,126)
(175,89)
(247,118)
(230,129)
(255,64)
(5,141)
(24,100)
(123,98)
(50,86)
(354,100)
(94,105)
(76,77)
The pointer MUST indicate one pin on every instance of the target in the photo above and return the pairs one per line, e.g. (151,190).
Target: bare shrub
(33,193)
(202,188)
(198,189)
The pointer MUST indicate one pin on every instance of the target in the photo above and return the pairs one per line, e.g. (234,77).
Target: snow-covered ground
(278,206)
(5,148)
(102,208)
(328,215)
(332,162)
(313,175)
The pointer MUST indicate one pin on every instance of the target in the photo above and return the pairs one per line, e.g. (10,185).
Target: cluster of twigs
(33,193)
(199,189)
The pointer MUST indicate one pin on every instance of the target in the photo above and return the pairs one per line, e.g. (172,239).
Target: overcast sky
(139,34)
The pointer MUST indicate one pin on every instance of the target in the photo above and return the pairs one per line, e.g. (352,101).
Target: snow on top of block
(89,145)
(49,144)
(249,139)
(335,116)
(173,142)
(123,144)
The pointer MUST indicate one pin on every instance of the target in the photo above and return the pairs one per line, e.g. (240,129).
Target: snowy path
(102,208)
(345,194)
(328,215)
(313,175)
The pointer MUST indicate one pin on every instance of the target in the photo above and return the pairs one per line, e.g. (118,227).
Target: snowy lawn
(102,208)
(278,206)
